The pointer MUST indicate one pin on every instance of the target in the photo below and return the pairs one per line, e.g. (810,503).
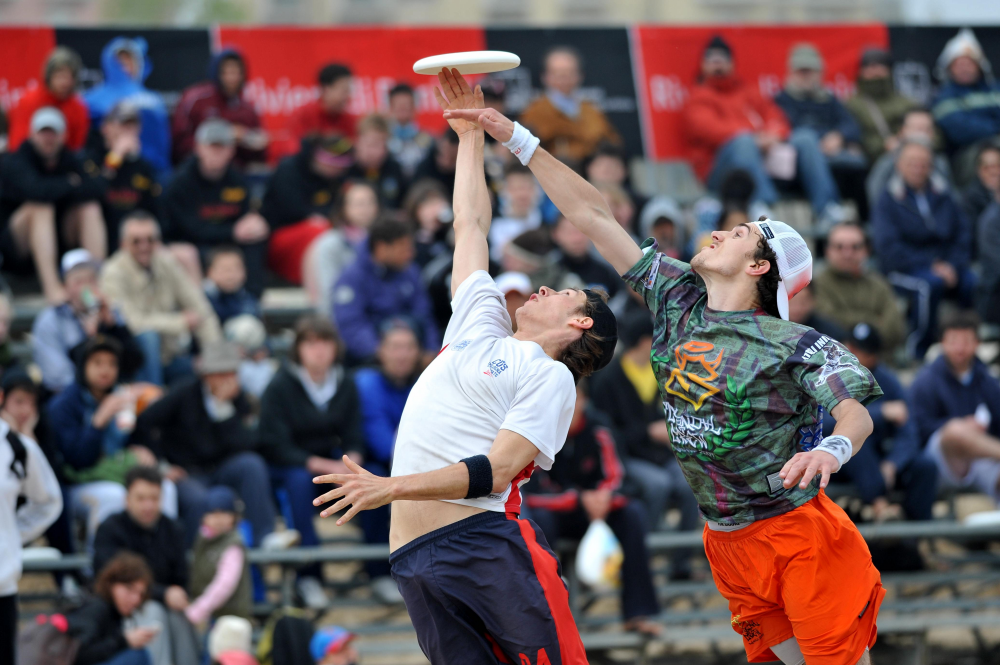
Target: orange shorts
(806,574)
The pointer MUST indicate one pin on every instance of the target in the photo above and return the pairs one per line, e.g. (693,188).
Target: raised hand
(806,466)
(456,94)
(495,123)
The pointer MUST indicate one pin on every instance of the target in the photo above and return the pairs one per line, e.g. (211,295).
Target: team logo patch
(811,435)
(750,630)
(654,269)
(694,384)
(496,368)
(461,345)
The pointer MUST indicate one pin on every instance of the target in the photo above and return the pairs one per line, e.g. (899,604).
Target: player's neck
(729,295)
(553,343)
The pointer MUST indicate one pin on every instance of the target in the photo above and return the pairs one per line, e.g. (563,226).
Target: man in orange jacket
(730,125)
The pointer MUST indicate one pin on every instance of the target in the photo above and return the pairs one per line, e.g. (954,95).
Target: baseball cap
(794,260)
(605,325)
(876,55)
(335,150)
(215,131)
(75,258)
(514,281)
(865,337)
(805,56)
(219,358)
(48,117)
(329,639)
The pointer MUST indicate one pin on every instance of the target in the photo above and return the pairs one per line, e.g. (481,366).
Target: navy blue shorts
(488,590)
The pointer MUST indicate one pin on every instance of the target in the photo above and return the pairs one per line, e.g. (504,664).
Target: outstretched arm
(471,202)
(576,198)
(363,490)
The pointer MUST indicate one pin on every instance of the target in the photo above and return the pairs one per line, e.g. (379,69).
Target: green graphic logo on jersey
(739,422)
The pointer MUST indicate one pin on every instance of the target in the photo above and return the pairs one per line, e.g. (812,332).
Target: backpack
(46,642)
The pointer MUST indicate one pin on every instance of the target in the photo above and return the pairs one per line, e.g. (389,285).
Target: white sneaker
(312,593)
(280,540)
(386,590)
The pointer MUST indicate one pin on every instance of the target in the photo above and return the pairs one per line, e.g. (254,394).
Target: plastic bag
(599,557)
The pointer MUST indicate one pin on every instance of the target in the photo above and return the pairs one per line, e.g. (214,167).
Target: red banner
(22,52)
(666,61)
(283,64)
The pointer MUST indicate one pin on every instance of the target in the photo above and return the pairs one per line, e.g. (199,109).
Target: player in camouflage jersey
(744,391)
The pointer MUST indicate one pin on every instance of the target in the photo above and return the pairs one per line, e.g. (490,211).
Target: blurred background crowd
(177,425)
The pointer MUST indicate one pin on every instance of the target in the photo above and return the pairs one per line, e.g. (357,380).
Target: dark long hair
(767,285)
(583,354)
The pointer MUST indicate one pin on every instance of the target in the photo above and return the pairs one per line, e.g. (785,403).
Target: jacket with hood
(665,207)
(118,85)
(966,113)
(879,111)
(721,108)
(206,100)
(906,241)
(72,108)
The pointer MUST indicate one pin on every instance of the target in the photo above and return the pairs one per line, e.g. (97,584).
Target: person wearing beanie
(729,125)
(742,386)
(892,457)
(967,106)
(220,574)
(91,422)
(877,106)
(126,65)
(60,77)
(230,642)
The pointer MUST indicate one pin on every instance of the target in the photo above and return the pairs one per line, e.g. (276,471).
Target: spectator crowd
(159,426)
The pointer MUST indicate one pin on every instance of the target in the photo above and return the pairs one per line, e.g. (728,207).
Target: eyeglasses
(145,240)
(845,246)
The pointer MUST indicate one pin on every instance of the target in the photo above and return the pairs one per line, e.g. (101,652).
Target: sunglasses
(145,240)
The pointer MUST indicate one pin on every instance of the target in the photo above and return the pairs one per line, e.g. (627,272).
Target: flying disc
(468,62)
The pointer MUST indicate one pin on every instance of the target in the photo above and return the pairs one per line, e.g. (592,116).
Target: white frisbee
(467,62)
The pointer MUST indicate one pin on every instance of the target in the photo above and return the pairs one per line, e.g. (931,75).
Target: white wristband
(839,446)
(522,143)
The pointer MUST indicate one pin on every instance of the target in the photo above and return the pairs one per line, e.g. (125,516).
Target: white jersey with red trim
(484,381)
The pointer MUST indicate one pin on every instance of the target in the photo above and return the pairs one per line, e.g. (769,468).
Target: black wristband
(480,476)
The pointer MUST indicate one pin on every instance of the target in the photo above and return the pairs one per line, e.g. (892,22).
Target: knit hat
(805,56)
(246,330)
(220,499)
(60,57)
(230,634)
(329,639)
(717,43)
(794,260)
(876,55)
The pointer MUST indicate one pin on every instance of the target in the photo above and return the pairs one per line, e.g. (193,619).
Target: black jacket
(98,627)
(292,428)
(129,186)
(201,211)
(162,547)
(25,177)
(178,428)
(613,394)
(388,181)
(588,461)
(295,191)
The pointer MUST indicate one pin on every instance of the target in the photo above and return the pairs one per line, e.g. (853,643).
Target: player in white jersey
(481,585)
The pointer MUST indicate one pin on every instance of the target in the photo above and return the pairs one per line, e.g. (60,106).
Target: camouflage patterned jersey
(743,391)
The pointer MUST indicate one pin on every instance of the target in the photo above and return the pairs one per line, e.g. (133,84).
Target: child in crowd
(19,405)
(225,284)
(257,367)
(331,645)
(230,642)
(220,573)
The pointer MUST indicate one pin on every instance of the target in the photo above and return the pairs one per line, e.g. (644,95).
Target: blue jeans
(741,152)
(152,370)
(813,169)
(246,474)
(925,290)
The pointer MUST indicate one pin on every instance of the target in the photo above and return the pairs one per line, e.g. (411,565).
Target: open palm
(454,94)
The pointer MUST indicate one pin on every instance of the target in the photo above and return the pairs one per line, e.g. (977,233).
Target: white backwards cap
(795,261)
